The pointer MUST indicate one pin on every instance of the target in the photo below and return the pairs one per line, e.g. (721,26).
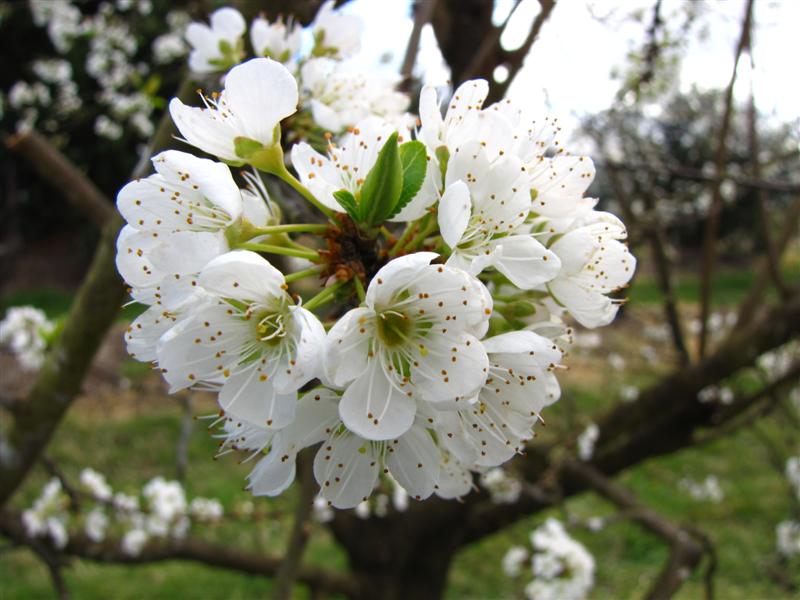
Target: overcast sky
(568,71)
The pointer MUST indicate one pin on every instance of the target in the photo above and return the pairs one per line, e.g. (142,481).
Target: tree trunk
(396,558)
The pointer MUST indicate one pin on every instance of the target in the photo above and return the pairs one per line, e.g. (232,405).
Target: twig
(771,255)
(288,570)
(712,223)
(55,168)
(423,9)
(73,494)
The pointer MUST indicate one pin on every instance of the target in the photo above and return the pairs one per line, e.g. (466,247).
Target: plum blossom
(279,41)
(335,34)
(258,94)
(219,46)
(25,330)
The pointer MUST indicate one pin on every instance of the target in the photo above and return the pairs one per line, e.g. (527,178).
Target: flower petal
(455,209)
(242,275)
(373,406)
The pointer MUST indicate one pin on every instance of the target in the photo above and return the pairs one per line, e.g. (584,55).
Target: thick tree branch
(213,555)
(56,169)
(423,9)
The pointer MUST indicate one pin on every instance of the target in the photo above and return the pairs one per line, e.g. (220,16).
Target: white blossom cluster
(705,490)
(587,440)
(332,91)
(502,487)
(562,568)
(443,350)
(110,60)
(26,331)
(787,538)
(161,510)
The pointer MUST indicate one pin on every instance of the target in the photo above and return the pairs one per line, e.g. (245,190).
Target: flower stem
(403,239)
(419,239)
(324,296)
(292,228)
(270,249)
(362,296)
(303,274)
(281,171)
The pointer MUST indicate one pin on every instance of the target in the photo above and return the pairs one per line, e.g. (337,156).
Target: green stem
(281,171)
(324,296)
(291,228)
(270,249)
(362,296)
(303,274)
(419,239)
(403,239)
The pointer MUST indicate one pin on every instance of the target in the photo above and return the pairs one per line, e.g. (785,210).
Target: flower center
(393,328)
(270,328)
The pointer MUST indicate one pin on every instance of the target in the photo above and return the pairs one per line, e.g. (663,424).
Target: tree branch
(225,557)
(685,552)
(712,224)
(423,9)
(55,168)
(59,381)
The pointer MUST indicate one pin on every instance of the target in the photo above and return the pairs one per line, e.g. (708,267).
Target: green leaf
(348,203)
(383,185)
(414,159)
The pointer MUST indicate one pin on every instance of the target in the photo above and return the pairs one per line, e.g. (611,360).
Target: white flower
(482,216)
(279,41)
(347,165)
(490,429)
(251,340)
(322,512)
(415,338)
(340,97)
(48,515)
(593,263)
(96,484)
(513,560)
(134,541)
(335,34)
(502,488)
(25,330)
(787,538)
(217,47)
(586,441)
(562,567)
(96,525)
(708,489)
(258,94)
(206,509)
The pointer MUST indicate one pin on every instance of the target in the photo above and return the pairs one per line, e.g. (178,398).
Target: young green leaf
(382,186)
(348,203)
(414,159)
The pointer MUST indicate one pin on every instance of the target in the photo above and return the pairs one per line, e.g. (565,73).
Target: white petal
(250,395)
(228,22)
(455,209)
(374,408)
(204,129)
(243,275)
(143,334)
(455,480)
(272,475)
(590,308)
(395,275)
(318,174)
(413,461)
(346,470)
(347,345)
(133,257)
(450,367)
(260,93)
(187,252)
(308,336)
(525,262)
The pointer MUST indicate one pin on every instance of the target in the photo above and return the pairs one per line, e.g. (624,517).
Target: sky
(568,70)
